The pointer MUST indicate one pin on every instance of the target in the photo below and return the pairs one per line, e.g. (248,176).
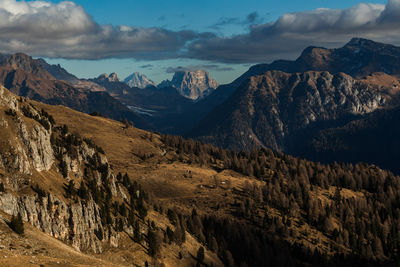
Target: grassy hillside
(285,210)
(139,232)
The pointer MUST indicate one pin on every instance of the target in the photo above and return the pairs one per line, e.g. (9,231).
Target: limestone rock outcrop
(192,84)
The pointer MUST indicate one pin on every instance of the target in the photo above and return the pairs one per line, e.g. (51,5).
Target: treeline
(361,223)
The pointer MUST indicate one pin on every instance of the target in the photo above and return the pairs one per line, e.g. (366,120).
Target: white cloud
(286,37)
(66,30)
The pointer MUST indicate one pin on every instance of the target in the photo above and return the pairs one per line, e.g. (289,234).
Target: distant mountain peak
(194,85)
(26,63)
(58,72)
(138,80)
(369,45)
(113,77)
(360,41)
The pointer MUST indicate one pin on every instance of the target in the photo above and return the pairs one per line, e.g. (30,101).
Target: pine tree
(63,168)
(154,240)
(170,234)
(99,233)
(137,235)
(70,189)
(337,197)
(200,255)
(82,191)
(16,224)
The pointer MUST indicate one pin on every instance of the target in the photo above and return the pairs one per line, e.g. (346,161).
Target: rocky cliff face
(358,58)
(138,80)
(26,63)
(271,109)
(73,224)
(32,151)
(113,77)
(58,72)
(192,84)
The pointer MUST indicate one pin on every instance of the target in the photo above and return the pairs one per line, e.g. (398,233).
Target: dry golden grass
(123,148)
(179,185)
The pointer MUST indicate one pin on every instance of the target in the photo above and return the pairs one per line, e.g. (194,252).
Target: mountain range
(297,106)
(292,164)
(27,77)
(289,106)
(86,190)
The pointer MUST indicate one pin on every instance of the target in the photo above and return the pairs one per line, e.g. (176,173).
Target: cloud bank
(213,67)
(291,33)
(65,30)
(251,19)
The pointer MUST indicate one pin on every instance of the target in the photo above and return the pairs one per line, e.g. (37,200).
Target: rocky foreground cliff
(63,185)
(31,146)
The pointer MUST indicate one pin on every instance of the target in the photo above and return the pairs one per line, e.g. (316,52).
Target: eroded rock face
(192,84)
(30,146)
(138,80)
(270,109)
(16,160)
(113,77)
(7,99)
(38,146)
(26,151)
(74,224)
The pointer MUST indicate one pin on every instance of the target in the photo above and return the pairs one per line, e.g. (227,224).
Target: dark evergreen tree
(70,190)
(155,242)
(17,224)
(200,254)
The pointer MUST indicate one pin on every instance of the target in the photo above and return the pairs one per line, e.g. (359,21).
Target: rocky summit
(192,84)
(113,77)
(139,80)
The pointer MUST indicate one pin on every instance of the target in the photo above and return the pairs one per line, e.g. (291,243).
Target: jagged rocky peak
(20,61)
(361,42)
(58,72)
(138,80)
(113,77)
(194,85)
(365,45)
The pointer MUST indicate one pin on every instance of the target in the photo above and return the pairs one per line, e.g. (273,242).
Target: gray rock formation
(58,72)
(138,80)
(113,77)
(74,224)
(269,110)
(26,152)
(38,146)
(192,84)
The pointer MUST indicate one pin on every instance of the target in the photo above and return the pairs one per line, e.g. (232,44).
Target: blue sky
(223,36)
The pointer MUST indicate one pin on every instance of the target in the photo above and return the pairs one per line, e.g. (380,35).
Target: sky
(156,37)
